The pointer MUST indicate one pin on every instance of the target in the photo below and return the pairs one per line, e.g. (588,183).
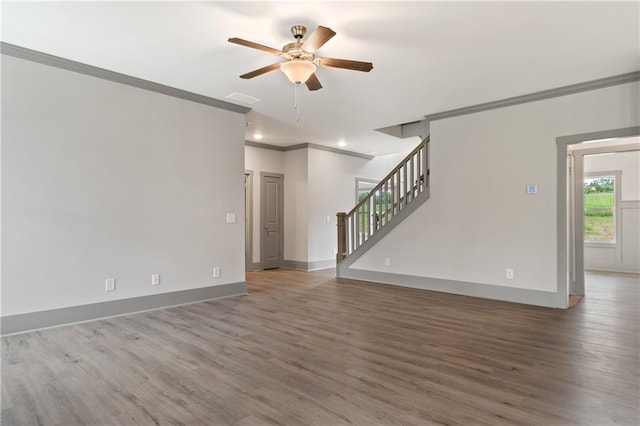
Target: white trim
(617,176)
(365,180)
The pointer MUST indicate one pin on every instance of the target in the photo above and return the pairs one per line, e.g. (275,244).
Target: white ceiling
(428,57)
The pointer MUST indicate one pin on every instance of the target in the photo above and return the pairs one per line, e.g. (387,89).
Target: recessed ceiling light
(257,136)
(342,143)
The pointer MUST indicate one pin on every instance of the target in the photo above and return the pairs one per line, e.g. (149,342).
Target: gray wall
(479,219)
(260,160)
(103,180)
(318,184)
(332,181)
(296,184)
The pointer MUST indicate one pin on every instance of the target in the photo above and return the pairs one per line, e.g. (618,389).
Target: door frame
(263,198)
(570,227)
(248,217)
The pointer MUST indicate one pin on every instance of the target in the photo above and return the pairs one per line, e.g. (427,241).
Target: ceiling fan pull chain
(296,102)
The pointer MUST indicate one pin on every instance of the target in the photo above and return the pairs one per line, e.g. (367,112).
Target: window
(599,209)
(381,202)
(363,187)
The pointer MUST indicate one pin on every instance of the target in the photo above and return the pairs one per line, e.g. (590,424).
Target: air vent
(241,97)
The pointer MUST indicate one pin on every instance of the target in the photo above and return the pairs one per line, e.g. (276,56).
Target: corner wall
(296,204)
(317,185)
(479,219)
(260,160)
(104,180)
(332,180)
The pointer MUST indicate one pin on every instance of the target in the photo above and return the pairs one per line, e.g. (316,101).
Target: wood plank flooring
(305,348)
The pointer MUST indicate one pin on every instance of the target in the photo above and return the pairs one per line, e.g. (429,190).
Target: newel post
(342,236)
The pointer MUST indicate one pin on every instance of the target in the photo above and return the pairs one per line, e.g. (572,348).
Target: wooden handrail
(388,176)
(397,203)
(400,186)
(342,237)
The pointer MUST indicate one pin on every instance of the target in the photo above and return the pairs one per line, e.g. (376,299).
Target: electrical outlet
(155,279)
(216,272)
(509,273)
(328,219)
(387,261)
(110,284)
(335,250)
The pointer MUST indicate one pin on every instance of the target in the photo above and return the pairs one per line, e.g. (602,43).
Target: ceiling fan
(301,62)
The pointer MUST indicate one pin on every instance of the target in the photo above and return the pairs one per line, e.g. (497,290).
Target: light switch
(110,284)
(532,189)
(231,218)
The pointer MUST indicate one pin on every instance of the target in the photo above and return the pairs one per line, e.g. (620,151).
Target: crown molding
(264,146)
(538,96)
(79,67)
(307,146)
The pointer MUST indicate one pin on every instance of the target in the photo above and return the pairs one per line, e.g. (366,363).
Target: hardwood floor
(303,348)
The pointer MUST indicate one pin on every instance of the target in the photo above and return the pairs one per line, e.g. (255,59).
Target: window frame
(617,176)
(366,181)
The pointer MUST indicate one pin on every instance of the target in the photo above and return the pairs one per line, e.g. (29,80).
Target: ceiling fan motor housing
(294,51)
(298,31)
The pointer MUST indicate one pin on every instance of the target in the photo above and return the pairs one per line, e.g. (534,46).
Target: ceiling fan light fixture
(298,71)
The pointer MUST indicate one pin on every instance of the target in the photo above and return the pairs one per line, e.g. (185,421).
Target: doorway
(271,220)
(573,182)
(248,220)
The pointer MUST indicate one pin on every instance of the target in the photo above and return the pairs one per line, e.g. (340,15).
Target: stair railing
(385,201)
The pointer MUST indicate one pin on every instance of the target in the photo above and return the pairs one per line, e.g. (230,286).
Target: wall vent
(241,97)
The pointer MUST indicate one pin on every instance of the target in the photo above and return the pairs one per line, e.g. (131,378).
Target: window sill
(597,244)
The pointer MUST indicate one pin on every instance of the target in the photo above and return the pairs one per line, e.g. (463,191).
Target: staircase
(398,194)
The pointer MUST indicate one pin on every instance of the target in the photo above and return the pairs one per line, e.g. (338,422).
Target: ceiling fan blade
(261,71)
(253,45)
(313,83)
(346,64)
(320,36)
